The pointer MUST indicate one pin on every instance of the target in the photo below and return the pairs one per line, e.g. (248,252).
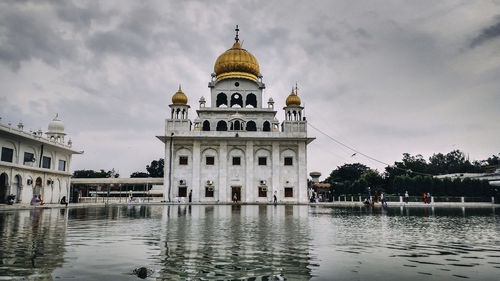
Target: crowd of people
(382,198)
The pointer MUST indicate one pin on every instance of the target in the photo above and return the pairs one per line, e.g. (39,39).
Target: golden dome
(236,62)
(179,97)
(293,99)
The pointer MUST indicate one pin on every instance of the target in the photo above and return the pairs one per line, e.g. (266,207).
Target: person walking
(382,199)
(235,198)
(407,197)
(190,196)
(275,198)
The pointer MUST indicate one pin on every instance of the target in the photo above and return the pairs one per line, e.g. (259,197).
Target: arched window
(177,113)
(221,126)
(236,125)
(266,127)
(221,99)
(236,99)
(206,126)
(251,100)
(251,126)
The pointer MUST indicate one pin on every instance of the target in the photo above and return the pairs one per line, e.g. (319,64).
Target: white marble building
(236,145)
(31,164)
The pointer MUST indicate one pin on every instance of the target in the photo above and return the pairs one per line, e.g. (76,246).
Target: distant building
(322,191)
(31,164)
(236,148)
(492,175)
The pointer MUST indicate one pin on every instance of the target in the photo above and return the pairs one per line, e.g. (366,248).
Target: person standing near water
(63,201)
(407,197)
(275,198)
(190,196)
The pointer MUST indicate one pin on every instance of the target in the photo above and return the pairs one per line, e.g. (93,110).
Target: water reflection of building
(32,164)
(236,242)
(32,243)
(236,146)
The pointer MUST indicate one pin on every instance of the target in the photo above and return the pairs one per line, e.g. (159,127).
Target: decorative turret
(179,105)
(179,97)
(179,113)
(293,99)
(56,130)
(294,121)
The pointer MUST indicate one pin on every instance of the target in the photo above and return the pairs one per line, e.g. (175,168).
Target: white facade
(235,145)
(32,164)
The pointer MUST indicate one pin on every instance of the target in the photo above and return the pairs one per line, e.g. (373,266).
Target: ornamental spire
(237,38)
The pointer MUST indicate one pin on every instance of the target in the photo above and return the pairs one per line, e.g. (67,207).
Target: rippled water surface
(251,243)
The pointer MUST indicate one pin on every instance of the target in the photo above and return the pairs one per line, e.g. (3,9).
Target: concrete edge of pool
(14,207)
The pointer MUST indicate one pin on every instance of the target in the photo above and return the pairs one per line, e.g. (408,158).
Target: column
(196,171)
(276,184)
(250,186)
(302,166)
(221,187)
(167,173)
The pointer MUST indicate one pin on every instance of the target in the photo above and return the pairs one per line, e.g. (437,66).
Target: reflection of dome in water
(236,63)
(56,126)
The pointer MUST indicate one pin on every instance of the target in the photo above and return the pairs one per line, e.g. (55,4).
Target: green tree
(139,175)
(155,169)
(93,174)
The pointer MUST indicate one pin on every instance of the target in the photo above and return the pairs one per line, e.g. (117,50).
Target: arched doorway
(4,184)
(221,100)
(37,189)
(251,100)
(251,126)
(266,126)
(17,188)
(221,126)
(206,126)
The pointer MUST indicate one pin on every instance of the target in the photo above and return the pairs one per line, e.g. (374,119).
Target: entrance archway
(17,188)
(4,184)
(236,190)
(37,189)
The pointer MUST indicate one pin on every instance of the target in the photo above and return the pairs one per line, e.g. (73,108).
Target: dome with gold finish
(179,97)
(293,99)
(236,63)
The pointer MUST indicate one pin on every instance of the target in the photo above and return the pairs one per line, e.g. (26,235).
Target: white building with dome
(34,164)
(236,147)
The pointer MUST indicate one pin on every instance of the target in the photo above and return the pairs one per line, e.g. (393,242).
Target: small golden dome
(179,97)
(236,62)
(293,99)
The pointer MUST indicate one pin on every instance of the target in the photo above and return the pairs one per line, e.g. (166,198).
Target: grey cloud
(31,36)
(489,33)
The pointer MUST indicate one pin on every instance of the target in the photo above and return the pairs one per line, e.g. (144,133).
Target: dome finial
(296,88)
(180,90)
(237,38)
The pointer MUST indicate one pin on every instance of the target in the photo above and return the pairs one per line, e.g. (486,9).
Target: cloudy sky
(385,77)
